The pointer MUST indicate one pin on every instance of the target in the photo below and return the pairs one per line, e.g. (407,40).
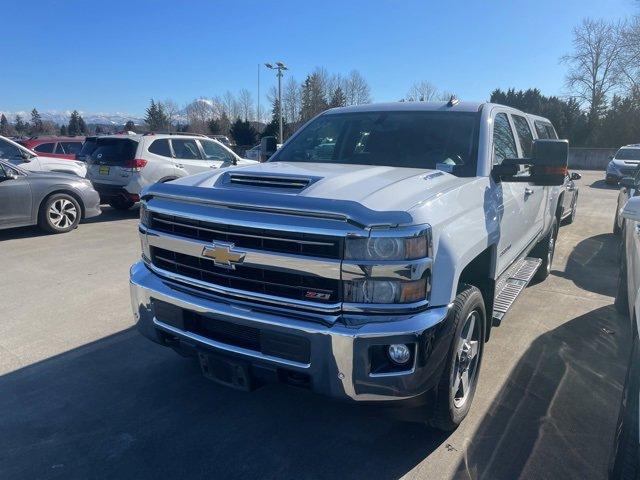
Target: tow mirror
(547,167)
(631,210)
(268,146)
(628,182)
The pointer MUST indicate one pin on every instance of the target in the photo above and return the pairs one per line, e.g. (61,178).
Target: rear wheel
(121,203)
(545,251)
(59,213)
(457,385)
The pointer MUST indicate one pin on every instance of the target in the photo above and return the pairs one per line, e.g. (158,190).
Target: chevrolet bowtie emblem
(223,255)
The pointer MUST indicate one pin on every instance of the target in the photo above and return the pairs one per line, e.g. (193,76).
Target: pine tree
(243,133)
(5,128)
(130,126)
(36,122)
(82,126)
(156,118)
(338,98)
(74,124)
(214,127)
(63,130)
(273,127)
(20,126)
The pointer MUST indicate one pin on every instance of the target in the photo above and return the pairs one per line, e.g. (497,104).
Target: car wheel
(59,213)
(121,203)
(457,386)
(569,220)
(545,251)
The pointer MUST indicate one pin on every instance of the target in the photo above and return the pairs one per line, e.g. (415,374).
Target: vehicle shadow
(123,407)
(604,185)
(594,254)
(110,214)
(540,426)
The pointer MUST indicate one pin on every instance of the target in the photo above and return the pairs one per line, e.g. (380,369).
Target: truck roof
(409,106)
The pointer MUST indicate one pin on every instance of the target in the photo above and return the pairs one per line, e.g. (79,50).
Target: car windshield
(628,154)
(427,140)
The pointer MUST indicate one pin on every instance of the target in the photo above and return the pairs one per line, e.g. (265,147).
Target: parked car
(28,160)
(120,166)
(570,198)
(54,147)
(374,274)
(56,202)
(628,187)
(623,164)
(89,145)
(625,463)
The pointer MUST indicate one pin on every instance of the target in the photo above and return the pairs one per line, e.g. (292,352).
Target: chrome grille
(297,243)
(297,286)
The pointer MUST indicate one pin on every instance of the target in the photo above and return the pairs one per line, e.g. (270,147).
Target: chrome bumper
(339,355)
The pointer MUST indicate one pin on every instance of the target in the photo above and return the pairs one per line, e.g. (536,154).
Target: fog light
(399,353)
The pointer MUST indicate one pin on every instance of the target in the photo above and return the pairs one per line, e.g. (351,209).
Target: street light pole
(280,67)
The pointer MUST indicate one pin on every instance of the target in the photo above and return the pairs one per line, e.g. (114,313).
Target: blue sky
(114,56)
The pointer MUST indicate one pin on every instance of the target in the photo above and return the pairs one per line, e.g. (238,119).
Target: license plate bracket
(226,371)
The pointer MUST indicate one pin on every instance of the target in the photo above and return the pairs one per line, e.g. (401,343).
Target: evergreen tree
(130,126)
(82,126)
(20,126)
(314,100)
(156,118)
(5,128)
(74,124)
(273,127)
(98,130)
(36,122)
(214,127)
(63,130)
(243,133)
(338,98)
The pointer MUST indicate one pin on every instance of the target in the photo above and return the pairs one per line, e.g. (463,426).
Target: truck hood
(377,188)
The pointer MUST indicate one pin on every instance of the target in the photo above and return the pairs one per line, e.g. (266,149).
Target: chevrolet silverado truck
(368,259)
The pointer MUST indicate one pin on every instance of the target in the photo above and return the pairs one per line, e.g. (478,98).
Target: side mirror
(8,175)
(631,210)
(575,176)
(268,146)
(628,182)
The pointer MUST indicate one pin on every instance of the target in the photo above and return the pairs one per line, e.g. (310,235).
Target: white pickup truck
(367,260)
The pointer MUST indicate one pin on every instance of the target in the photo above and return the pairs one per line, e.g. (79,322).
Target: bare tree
(245,103)
(171,110)
(356,89)
(199,112)
(291,100)
(594,65)
(229,106)
(630,59)
(423,91)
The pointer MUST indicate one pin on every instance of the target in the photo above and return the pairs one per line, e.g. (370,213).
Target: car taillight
(135,165)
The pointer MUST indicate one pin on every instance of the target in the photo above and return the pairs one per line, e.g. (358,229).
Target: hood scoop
(281,183)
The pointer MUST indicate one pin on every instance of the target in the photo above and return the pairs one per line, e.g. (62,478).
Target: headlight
(386,248)
(145,216)
(385,291)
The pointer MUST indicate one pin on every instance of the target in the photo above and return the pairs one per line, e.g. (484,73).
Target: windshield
(428,140)
(628,154)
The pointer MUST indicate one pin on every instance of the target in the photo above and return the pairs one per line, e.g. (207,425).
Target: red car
(57,147)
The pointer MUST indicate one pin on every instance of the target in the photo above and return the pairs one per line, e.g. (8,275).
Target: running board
(508,290)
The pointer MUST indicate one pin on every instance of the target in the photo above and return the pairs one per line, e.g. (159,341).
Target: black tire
(545,250)
(448,412)
(121,203)
(59,213)
(569,220)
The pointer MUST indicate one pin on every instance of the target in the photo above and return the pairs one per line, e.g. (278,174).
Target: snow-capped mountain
(62,117)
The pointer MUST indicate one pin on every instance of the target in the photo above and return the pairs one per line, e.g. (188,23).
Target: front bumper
(91,200)
(339,361)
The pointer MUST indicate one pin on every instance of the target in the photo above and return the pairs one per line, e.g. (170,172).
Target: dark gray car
(54,201)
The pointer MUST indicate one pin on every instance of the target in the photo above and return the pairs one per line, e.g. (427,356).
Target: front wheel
(59,213)
(457,385)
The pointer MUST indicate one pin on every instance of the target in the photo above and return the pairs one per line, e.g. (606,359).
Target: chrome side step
(507,291)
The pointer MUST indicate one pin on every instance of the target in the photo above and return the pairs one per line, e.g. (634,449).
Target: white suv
(122,165)
(29,160)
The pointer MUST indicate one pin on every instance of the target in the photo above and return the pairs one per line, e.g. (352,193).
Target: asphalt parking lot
(82,395)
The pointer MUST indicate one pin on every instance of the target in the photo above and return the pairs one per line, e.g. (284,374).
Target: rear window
(88,147)
(44,148)
(114,151)
(628,154)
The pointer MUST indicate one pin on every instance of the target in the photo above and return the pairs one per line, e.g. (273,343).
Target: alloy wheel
(62,213)
(466,360)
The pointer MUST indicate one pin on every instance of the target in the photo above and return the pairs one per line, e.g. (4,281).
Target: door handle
(528,191)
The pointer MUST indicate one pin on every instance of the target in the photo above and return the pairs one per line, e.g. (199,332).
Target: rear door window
(504,145)
(186,149)
(160,147)
(114,151)
(525,136)
(44,148)
(70,148)
(541,129)
(551,131)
